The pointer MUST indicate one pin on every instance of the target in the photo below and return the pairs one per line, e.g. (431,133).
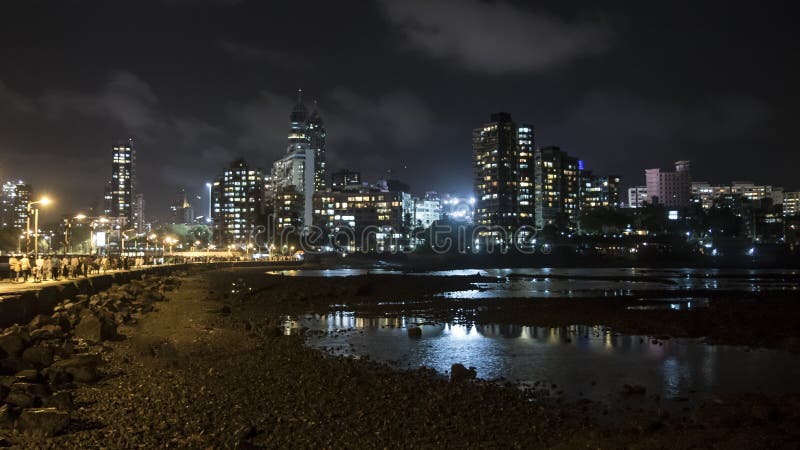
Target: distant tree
(602,220)
(9,239)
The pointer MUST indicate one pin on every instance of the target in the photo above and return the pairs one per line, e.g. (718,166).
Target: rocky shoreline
(201,361)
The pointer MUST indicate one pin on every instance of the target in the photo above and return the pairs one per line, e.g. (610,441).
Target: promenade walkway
(7,287)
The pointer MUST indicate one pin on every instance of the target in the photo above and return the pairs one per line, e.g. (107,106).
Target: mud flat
(203,362)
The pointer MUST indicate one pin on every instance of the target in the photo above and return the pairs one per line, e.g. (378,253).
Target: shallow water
(593,282)
(583,362)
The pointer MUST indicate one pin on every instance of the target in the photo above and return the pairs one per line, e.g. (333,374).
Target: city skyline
(407,113)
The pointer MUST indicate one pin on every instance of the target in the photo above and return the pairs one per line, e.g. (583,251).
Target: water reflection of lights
(462,332)
(571,356)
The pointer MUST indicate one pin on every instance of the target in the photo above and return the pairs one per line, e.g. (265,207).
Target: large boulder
(6,418)
(38,356)
(96,327)
(26,395)
(47,332)
(12,343)
(80,368)
(10,366)
(60,400)
(460,373)
(43,421)
(39,321)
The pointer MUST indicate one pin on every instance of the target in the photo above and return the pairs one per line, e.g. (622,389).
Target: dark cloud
(12,102)
(633,132)
(494,37)
(125,98)
(400,118)
(275,58)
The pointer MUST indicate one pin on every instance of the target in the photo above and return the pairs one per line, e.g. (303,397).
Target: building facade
(557,188)
(237,205)
(704,193)
(599,191)
(293,177)
(637,196)
(427,210)
(181,210)
(309,129)
(671,189)
(343,179)
(123,180)
(365,219)
(791,203)
(503,153)
(14,199)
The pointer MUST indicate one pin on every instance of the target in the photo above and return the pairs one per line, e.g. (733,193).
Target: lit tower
(315,130)
(123,180)
(297,122)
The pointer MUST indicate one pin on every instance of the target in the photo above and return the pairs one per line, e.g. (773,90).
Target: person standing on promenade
(13,269)
(25,266)
(73,267)
(83,266)
(38,276)
(47,267)
(55,267)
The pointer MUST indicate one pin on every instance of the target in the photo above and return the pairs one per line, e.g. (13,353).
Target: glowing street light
(44,201)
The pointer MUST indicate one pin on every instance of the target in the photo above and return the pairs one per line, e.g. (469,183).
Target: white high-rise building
(427,209)
(637,196)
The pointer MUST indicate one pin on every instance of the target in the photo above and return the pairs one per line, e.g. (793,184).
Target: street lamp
(124,237)
(169,241)
(93,225)
(44,201)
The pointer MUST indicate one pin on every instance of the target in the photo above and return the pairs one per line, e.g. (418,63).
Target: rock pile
(40,362)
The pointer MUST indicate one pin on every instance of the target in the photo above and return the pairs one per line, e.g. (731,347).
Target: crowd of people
(24,268)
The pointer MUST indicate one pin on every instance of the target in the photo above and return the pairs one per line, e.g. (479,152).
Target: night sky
(400,86)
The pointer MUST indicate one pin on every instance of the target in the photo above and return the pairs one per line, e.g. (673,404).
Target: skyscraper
(503,170)
(14,199)
(237,204)
(293,178)
(298,174)
(180,209)
(309,129)
(7,195)
(316,136)
(557,188)
(123,180)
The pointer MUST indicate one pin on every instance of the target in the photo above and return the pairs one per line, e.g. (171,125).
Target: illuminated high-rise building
(123,180)
(315,128)
(301,171)
(181,210)
(599,191)
(237,204)
(671,189)
(637,196)
(504,172)
(309,129)
(14,199)
(557,188)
